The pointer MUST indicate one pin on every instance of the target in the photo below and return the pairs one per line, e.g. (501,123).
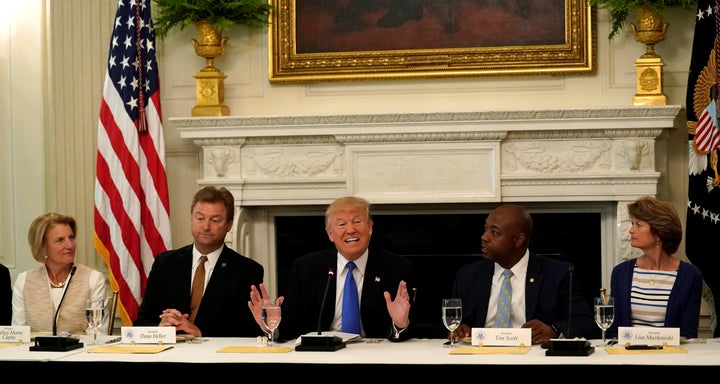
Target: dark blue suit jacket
(223,311)
(5,296)
(309,276)
(683,308)
(547,297)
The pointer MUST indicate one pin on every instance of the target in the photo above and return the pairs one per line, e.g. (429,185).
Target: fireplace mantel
(611,155)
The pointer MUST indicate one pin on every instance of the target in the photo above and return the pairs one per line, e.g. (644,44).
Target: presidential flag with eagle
(703,209)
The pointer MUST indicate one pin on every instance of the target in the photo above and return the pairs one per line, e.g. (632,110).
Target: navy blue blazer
(223,311)
(546,296)
(683,307)
(309,276)
(5,296)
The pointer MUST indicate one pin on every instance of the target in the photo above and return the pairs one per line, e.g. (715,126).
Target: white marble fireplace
(581,159)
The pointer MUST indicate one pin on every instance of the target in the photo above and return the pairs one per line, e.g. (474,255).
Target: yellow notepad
(623,351)
(254,349)
(130,349)
(484,350)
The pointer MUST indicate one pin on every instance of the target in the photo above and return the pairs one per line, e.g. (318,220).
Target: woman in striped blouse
(656,289)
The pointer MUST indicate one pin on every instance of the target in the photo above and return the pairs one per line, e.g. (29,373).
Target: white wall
(22,127)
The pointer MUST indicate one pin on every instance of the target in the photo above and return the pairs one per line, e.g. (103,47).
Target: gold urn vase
(210,87)
(650,29)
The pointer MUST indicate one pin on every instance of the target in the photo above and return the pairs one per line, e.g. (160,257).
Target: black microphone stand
(320,342)
(567,346)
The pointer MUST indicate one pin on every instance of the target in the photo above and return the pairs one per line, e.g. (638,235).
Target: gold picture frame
(302,34)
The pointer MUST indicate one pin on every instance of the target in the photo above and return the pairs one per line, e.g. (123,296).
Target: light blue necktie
(504,307)
(351,304)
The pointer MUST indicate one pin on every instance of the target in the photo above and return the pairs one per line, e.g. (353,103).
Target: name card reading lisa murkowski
(649,335)
(513,337)
(148,335)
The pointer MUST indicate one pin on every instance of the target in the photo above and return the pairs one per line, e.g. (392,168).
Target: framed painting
(326,40)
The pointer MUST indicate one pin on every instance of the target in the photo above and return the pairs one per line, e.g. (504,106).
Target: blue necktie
(351,304)
(504,307)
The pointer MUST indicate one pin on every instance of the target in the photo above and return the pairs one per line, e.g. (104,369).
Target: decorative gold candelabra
(650,30)
(210,86)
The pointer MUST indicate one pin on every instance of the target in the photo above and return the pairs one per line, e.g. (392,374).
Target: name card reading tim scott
(513,337)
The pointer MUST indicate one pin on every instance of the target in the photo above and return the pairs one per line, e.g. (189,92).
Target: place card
(649,336)
(514,337)
(147,349)
(254,349)
(15,334)
(148,335)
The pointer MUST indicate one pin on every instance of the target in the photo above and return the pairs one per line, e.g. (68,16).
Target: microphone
(319,342)
(571,269)
(331,273)
(57,311)
(57,343)
(567,346)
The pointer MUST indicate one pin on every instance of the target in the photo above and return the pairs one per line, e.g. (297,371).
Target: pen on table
(612,342)
(643,346)
(113,340)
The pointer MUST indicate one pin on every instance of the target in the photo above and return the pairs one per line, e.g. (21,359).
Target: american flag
(132,222)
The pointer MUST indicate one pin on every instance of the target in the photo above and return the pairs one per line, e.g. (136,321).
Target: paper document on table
(254,349)
(488,350)
(624,351)
(130,349)
(346,337)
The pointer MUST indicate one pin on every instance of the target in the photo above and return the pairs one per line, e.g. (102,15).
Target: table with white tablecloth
(366,358)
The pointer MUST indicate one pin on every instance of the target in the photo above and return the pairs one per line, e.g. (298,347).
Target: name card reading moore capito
(15,334)
(649,335)
(514,337)
(148,335)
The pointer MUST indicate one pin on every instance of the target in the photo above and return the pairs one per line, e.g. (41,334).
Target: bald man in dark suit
(541,283)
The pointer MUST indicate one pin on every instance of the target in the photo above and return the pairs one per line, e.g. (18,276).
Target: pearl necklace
(52,284)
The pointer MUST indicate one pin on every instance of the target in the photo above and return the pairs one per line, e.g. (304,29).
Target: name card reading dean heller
(15,334)
(649,336)
(512,337)
(148,335)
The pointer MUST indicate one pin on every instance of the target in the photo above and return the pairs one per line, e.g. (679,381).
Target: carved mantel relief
(221,158)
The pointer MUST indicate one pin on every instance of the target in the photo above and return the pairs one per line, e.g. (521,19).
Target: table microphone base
(569,347)
(320,343)
(56,344)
